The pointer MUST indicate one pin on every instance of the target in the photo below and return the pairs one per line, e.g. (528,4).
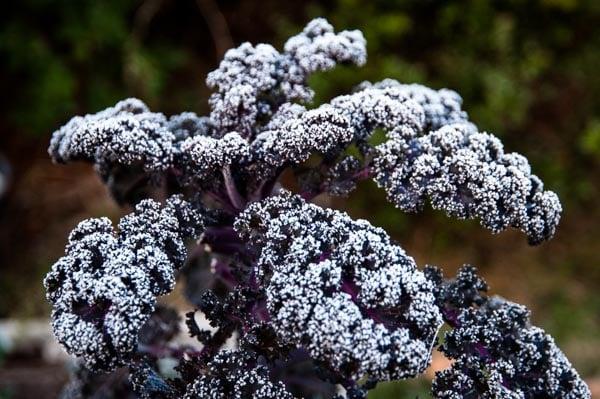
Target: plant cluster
(321,305)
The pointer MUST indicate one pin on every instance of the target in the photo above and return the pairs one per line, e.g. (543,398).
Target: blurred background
(528,70)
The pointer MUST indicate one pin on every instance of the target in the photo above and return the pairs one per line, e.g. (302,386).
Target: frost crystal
(104,289)
(256,130)
(390,109)
(204,156)
(341,289)
(496,349)
(188,124)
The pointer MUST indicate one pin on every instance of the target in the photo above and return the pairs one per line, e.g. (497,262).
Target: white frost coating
(104,289)
(341,289)
(188,124)
(319,48)
(234,375)
(320,130)
(500,355)
(203,156)
(442,107)
(255,131)
(125,134)
(253,81)
(293,133)
(468,175)
(390,109)
(338,289)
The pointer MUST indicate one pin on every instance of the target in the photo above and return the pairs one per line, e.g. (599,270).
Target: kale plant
(319,304)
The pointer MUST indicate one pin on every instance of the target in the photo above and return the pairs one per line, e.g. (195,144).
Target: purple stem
(260,312)
(222,233)
(225,202)
(265,188)
(363,173)
(232,192)
(482,350)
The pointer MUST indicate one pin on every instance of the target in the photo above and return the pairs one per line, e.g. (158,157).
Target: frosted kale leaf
(130,147)
(441,107)
(318,48)
(293,134)
(497,353)
(253,81)
(468,175)
(127,133)
(341,289)
(342,178)
(255,131)
(401,111)
(389,109)
(188,124)
(321,130)
(105,287)
(433,153)
(203,157)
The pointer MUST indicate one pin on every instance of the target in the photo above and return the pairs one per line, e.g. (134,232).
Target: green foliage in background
(67,57)
(49,47)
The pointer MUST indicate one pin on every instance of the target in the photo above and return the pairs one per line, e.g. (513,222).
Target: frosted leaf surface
(236,375)
(468,175)
(253,81)
(341,289)
(126,134)
(104,288)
